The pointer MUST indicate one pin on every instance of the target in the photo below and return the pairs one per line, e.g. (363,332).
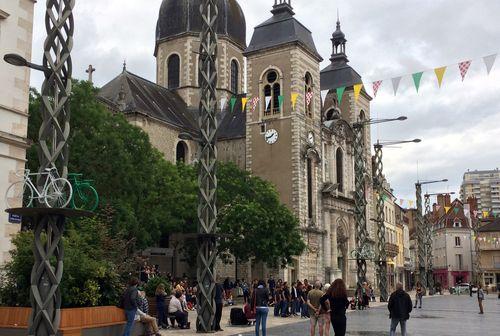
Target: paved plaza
(441,316)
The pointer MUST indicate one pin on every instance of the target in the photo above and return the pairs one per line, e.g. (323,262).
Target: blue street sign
(15,219)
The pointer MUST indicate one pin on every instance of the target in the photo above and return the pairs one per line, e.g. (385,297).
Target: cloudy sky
(459,123)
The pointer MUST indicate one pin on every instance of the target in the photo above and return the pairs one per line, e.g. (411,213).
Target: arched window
(272,93)
(181,152)
(173,65)
(235,73)
(339,159)
(308,95)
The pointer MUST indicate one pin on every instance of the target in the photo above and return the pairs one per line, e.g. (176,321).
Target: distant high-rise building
(484,185)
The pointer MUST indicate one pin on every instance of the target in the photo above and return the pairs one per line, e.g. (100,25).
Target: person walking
(219,304)
(295,299)
(261,307)
(335,302)
(286,300)
(400,308)
(161,296)
(480,298)
(130,300)
(419,295)
(313,302)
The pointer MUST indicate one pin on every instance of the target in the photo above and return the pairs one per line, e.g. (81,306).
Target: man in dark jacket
(400,306)
(219,304)
(130,299)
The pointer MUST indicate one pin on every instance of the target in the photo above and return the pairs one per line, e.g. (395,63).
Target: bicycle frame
(49,174)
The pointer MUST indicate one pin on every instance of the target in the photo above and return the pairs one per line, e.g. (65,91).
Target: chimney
(441,200)
(472,201)
(447,198)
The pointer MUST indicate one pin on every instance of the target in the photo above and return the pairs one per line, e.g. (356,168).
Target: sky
(459,124)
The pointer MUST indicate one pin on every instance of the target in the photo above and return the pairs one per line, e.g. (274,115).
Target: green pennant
(340,94)
(385,198)
(456,210)
(417,77)
(280,100)
(233,102)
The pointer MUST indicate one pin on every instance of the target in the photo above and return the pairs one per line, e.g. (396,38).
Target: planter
(74,321)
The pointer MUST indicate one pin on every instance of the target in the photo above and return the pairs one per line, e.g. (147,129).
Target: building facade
(484,185)
(16,33)
(285,134)
(489,247)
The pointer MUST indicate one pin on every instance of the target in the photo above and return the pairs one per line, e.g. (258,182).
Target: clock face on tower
(271,136)
(310,138)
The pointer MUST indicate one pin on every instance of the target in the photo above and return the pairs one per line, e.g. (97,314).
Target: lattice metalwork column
(381,249)
(428,245)
(477,269)
(422,275)
(360,202)
(207,180)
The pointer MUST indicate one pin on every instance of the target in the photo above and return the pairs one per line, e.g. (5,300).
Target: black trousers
(339,324)
(218,315)
(181,318)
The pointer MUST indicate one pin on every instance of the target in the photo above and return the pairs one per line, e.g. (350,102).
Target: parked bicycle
(85,197)
(56,191)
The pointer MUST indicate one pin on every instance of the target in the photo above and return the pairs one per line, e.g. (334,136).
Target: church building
(285,133)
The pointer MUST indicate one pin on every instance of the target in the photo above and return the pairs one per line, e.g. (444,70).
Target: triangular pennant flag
(464,67)
(440,74)
(489,61)
(268,101)
(244,103)
(323,96)
(294,99)
(223,102)
(438,207)
(395,84)
(340,94)
(456,210)
(411,204)
(309,97)
(385,198)
(401,201)
(446,209)
(280,100)
(232,102)
(466,212)
(467,206)
(357,91)
(417,77)
(376,86)
(485,214)
(255,102)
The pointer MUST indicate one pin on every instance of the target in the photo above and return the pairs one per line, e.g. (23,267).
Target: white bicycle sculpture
(56,192)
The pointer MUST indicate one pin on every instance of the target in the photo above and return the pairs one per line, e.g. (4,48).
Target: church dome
(179,17)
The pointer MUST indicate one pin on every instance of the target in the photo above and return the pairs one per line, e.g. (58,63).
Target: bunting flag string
(395,84)
(268,101)
(309,97)
(357,91)
(232,102)
(489,61)
(464,67)
(280,100)
(417,77)
(255,101)
(323,94)
(340,94)
(244,102)
(294,98)
(376,87)
(223,102)
(447,209)
(440,74)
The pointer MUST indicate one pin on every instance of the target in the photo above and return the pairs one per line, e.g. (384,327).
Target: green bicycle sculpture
(84,197)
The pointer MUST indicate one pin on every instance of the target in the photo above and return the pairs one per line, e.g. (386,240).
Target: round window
(272,76)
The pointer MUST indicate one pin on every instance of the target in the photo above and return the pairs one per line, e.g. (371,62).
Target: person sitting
(175,308)
(142,312)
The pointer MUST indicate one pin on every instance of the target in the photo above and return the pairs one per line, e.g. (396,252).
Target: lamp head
(417,141)
(15,59)
(403,118)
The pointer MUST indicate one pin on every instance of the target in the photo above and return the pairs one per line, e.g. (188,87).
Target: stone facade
(16,32)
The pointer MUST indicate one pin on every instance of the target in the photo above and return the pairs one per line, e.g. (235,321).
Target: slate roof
(339,74)
(493,226)
(282,28)
(147,98)
(177,17)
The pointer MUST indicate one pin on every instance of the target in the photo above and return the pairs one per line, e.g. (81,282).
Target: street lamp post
(207,180)
(428,239)
(379,186)
(362,252)
(423,235)
(53,151)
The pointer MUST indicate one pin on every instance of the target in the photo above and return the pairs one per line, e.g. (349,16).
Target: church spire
(338,44)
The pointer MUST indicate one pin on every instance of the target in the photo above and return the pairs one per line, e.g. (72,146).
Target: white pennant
(223,102)
(395,84)
(268,101)
(323,96)
(489,61)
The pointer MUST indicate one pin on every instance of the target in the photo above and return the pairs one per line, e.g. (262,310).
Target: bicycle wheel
(19,191)
(58,193)
(85,198)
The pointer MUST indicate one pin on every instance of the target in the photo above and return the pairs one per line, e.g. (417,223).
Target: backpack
(238,317)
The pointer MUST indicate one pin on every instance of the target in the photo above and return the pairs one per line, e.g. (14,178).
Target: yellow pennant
(294,99)
(486,214)
(244,102)
(357,91)
(446,209)
(440,74)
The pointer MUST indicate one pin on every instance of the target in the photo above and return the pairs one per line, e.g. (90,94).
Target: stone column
(336,271)
(327,243)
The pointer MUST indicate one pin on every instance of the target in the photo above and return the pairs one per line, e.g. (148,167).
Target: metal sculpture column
(428,245)
(360,201)
(421,237)
(381,250)
(207,180)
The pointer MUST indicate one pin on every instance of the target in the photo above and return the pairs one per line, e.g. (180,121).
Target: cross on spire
(90,70)
(124,65)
